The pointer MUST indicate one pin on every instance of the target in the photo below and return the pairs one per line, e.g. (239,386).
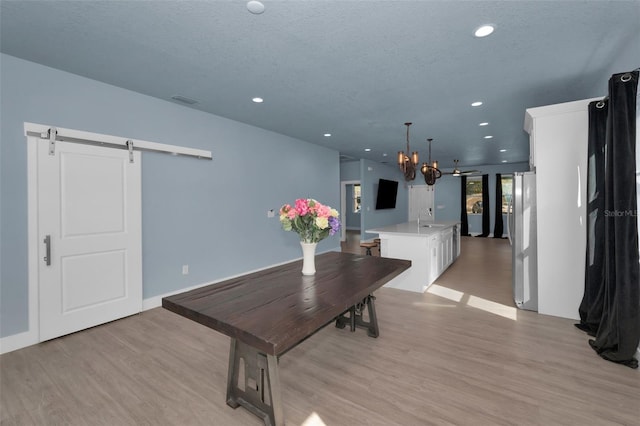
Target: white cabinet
(448,247)
(441,245)
(430,249)
(441,254)
(558,140)
(435,260)
(418,251)
(456,241)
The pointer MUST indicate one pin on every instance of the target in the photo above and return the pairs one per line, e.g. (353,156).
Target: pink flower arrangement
(312,220)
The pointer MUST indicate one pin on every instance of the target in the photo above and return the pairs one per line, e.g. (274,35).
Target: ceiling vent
(184,100)
(344,158)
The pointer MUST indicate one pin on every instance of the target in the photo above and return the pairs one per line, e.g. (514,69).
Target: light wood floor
(465,357)
(352,244)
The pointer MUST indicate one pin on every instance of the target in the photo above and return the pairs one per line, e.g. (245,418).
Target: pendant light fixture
(408,163)
(430,170)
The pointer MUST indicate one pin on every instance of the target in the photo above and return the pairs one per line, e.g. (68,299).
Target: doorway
(350,196)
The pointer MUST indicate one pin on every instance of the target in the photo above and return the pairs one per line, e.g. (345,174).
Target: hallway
(483,268)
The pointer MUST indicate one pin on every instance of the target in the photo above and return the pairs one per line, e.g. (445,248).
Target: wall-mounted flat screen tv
(387,194)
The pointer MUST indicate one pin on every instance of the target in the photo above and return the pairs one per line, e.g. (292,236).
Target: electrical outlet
(185,269)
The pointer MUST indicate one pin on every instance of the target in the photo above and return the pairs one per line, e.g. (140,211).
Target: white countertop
(412,229)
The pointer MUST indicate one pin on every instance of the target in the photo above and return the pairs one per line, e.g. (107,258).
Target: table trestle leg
(259,389)
(357,314)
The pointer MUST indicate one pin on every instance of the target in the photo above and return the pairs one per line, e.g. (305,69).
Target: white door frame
(343,207)
(32,335)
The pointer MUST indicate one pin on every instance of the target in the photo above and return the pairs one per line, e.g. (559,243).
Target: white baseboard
(30,337)
(475,234)
(18,341)
(156,301)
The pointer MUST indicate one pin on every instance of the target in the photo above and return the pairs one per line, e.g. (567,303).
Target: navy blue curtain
(590,309)
(498,225)
(486,210)
(464,220)
(616,302)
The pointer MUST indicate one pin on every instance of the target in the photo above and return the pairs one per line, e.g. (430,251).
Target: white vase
(308,258)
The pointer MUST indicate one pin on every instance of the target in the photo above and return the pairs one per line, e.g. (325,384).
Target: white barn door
(89,231)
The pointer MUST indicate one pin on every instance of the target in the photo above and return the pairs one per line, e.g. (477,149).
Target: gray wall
(211,215)
(350,170)
(368,173)
(371,172)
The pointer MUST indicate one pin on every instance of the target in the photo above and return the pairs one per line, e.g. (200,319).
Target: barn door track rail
(59,134)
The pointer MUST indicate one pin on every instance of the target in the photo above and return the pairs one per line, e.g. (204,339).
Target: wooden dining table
(269,312)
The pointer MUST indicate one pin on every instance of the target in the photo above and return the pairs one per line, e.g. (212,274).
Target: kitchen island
(431,246)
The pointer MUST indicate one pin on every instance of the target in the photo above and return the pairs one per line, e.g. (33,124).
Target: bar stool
(368,246)
(377,241)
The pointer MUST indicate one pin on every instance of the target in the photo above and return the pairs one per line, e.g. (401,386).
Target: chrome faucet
(429,216)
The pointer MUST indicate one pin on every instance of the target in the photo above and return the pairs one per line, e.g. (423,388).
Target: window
(507,187)
(474,195)
(356,198)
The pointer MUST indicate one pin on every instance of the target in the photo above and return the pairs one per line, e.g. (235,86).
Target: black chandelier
(408,163)
(430,170)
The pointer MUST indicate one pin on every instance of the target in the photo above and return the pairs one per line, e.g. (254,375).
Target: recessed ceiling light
(384,154)
(367,149)
(476,103)
(258,100)
(327,135)
(483,124)
(488,137)
(484,31)
(503,150)
(504,161)
(255,7)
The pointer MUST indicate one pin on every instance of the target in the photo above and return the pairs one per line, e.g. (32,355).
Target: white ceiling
(355,69)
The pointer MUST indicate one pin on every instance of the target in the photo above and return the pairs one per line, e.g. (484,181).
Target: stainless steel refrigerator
(521,230)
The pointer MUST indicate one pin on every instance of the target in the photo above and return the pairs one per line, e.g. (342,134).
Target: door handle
(47,245)
(509,218)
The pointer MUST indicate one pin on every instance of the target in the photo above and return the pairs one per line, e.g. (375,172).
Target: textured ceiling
(355,69)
